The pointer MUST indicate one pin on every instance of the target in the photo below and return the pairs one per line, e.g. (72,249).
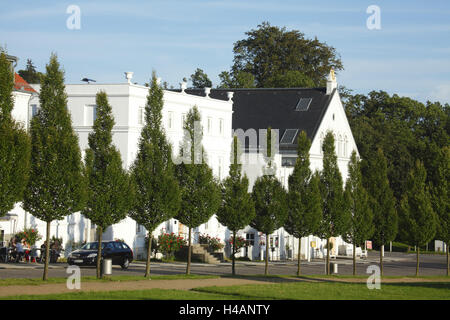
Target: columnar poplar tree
(417,213)
(56,185)
(382,200)
(237,208)
(304,198)
(357,198)
(109,191)
(14,144)
(441,200)
(335,217)
(153,172)
(200,193)
(270,200)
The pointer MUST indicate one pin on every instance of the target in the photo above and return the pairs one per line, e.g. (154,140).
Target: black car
(119,252)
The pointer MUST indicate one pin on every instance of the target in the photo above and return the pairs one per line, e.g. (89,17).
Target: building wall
(333,120)
(128,102)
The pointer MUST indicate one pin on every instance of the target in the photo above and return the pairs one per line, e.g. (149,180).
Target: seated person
(19,251)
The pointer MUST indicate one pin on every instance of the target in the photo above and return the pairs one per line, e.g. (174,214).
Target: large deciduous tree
(271,54)
(56,187)
(418,218)
(441,200)
(382,200)
(200,79)
(29,74)
(357,199)
(109,192)
(304,198)
(335,216)
(14,144)
(239,79)
(404,128)
(157,194)
(200,193)
(237,209)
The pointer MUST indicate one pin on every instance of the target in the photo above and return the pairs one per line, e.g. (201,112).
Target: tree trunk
(266,269)
(448,265)
(417,261)
(328,256)
(188,267)
(299,254)
(149,251)
(354,259)
(233,250)
(381,260)
(99,252)
(47,252)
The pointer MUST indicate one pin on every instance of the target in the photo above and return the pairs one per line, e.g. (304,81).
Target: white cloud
(441,93)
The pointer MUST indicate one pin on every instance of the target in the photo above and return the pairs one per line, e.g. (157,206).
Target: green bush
(214,244)
(170,243)
(29,235)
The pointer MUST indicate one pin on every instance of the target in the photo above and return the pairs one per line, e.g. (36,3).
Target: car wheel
(125,264)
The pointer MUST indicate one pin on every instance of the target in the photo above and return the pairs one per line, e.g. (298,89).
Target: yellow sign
(313,244)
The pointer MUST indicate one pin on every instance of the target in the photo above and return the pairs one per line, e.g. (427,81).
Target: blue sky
(409,55)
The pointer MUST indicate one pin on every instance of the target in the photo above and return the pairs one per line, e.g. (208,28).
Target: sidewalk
(187,284)
(30,266)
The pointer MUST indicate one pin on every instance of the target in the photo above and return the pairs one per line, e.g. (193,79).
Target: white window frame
(170,120)
(90,108)
(34,110)
(183,118)
(209,125)
(221,124)
(141,113)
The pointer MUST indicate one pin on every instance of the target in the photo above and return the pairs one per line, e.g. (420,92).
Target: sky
(408,55)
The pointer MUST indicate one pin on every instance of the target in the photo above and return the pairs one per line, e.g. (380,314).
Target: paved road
(395,264)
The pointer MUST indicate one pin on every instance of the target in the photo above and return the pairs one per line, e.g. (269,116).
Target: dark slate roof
(261,108)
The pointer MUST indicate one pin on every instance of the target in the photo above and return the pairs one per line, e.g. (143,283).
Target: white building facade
(221,113)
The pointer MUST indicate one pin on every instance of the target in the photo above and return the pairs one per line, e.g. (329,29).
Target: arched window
(336,142)
(345,146)
(339,149)
(321,143)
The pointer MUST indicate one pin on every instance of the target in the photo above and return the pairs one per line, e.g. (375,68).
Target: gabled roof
(21,85)
(261,108)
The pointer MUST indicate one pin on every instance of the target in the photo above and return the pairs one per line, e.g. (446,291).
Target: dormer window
(289,136)
(303,104)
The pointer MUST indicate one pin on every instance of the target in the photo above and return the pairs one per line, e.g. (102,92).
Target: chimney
(207,91)
(183,86)
(129,76)
(331,82)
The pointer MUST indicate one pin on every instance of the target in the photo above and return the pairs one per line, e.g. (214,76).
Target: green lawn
(291,289)
(38,281)
(336,290)
(153,294)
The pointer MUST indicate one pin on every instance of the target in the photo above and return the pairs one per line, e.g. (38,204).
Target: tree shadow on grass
(268,278)
(431,285)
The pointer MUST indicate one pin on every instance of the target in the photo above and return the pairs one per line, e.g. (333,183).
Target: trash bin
(334,267)
(107,267)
